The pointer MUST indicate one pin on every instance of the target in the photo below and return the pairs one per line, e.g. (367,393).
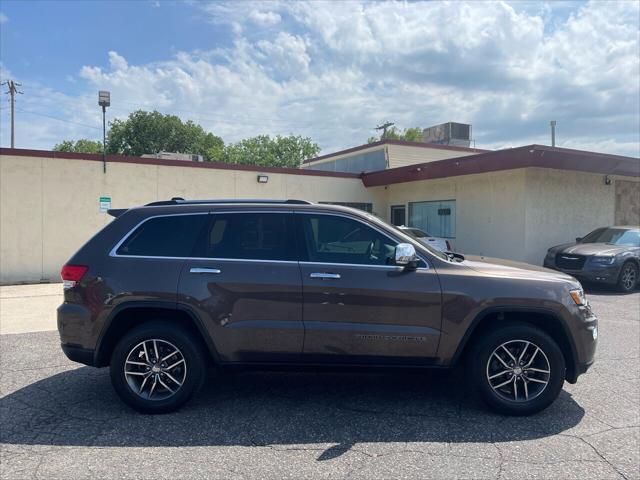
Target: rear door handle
(204,270)
(333,276)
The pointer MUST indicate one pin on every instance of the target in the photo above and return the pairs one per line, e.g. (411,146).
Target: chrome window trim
(113,251)
(374,227)
(365,265)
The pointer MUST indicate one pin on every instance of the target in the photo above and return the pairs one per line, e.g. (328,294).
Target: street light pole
(104,139)
(104,100)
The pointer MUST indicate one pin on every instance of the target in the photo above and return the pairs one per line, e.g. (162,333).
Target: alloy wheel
(155,369)
(628,278)
(518,371)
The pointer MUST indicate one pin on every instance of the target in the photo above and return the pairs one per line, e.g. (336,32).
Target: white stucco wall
(489,209)
(50,207)
(563,205)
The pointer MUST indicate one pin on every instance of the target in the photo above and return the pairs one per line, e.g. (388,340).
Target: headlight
(608,260)
(578,296)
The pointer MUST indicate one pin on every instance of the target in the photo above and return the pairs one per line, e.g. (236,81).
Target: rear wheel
(628,277)
(157,367)
(518,369)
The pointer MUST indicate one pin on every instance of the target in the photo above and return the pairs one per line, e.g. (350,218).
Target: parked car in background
(441,244)
(168,289)
(609,255)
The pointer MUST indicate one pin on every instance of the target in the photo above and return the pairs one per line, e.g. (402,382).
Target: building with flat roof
(512,203)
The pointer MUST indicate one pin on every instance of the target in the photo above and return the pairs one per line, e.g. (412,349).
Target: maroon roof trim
(172,163)
(391,141)
(509,159)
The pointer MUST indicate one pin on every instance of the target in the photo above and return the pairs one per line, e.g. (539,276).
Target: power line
(58,118)
(207,115)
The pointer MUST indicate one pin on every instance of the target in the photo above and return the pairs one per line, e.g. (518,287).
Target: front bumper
(590,273)
(584,330)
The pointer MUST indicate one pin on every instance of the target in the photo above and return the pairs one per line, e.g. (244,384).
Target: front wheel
(518,369)
(157,367)
(628,277)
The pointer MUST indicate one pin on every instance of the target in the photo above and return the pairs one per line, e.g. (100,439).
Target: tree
(412,134)
(152,132)
(83,145)
(263,150)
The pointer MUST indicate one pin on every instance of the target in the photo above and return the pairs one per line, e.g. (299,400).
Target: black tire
(167,335)
(628,278)
(479,368)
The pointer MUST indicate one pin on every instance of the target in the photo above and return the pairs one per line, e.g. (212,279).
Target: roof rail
(182,201)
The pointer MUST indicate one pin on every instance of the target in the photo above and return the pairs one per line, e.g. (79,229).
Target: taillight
(448,245)
(72,274)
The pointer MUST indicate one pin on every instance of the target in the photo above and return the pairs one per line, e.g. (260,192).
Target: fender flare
(519,309)
(98,359)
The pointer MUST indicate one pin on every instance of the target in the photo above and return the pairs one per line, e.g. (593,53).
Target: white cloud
(3,18)
(265,19)
(334,70)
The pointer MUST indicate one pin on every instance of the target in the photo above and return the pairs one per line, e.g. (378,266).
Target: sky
(331,71)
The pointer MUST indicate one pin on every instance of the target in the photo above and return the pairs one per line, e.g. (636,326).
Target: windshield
(614,236)
(415,232)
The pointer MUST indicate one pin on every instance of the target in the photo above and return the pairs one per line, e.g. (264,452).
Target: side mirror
(578,239)
(405,255)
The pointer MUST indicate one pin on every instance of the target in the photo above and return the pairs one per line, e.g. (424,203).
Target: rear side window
(170,236)
(251,236)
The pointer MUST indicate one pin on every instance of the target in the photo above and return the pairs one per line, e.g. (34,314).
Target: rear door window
(249,236)
(167,236)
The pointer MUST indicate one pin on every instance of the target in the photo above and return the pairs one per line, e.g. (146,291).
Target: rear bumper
(76,353)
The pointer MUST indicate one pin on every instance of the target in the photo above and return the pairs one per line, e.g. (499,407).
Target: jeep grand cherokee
(168,289)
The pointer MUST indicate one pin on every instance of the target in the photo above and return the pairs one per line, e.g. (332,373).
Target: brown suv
(170,288)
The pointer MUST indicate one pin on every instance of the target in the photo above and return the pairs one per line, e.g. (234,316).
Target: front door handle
(204,270)
(333,276)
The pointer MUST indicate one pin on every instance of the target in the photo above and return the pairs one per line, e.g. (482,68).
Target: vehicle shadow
(332,411)
(605,290)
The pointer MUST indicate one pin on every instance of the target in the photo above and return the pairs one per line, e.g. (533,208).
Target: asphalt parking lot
(62,420)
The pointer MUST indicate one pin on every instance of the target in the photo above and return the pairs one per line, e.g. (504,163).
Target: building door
(398,215)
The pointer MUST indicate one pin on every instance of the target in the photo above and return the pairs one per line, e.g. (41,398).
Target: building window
(367,207)
(437,218)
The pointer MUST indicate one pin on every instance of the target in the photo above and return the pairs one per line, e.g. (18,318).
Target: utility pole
(12,93)
(384,127)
